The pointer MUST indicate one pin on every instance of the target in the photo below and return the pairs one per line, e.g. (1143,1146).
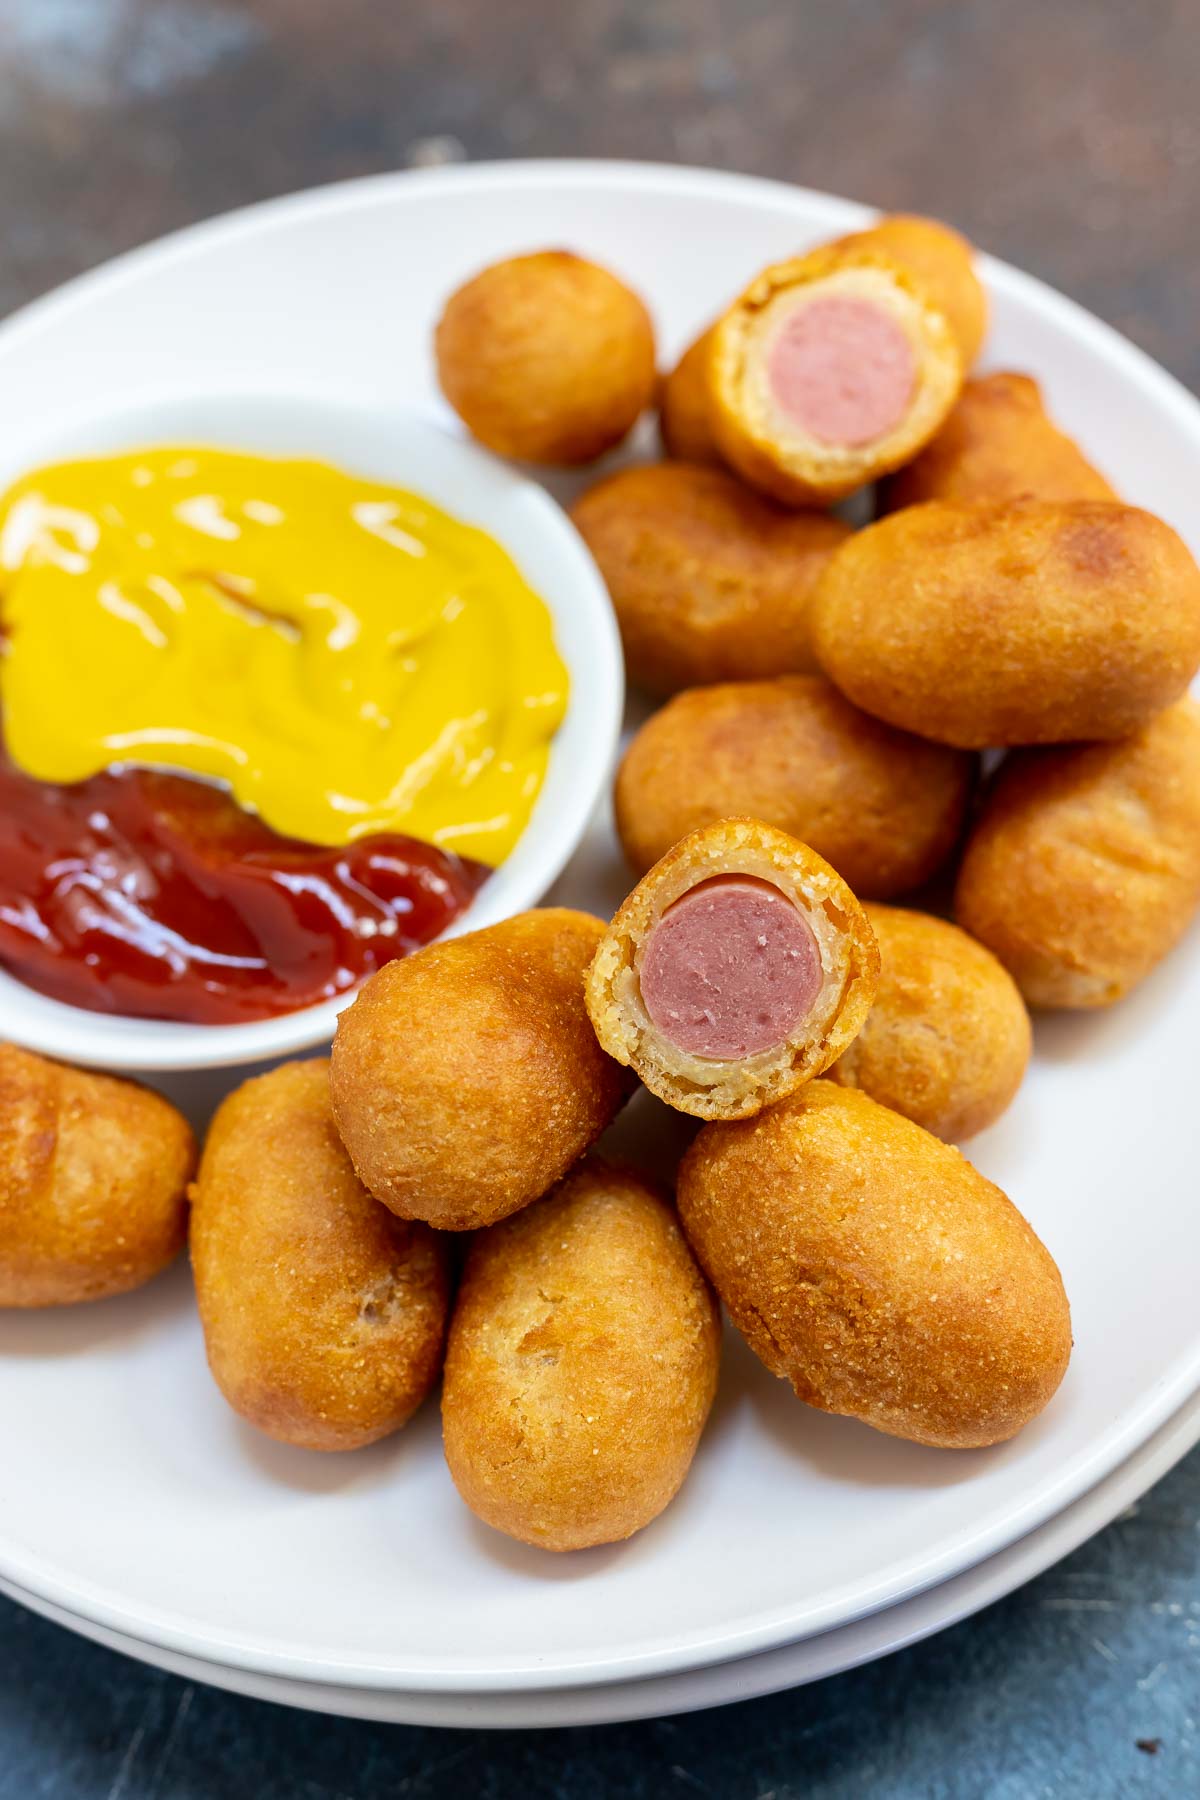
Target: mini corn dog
(582,1363)
(948,1038)
(1083,870)
(324,1317)
(884,807)
(709,580)
(740,967)
(466,1079)
(943,261)
(548,357)
(93,1182)
(999,443)
(872,1267)
(1040,622)
(831,370)
(683,407)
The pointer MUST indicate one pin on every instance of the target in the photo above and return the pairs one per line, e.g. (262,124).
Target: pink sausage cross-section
(730,969)
(842,369)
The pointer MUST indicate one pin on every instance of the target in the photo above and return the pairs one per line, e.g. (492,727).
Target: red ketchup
(156,895)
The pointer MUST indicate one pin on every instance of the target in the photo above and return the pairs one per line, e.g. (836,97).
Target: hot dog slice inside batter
(730,969)
(842,369)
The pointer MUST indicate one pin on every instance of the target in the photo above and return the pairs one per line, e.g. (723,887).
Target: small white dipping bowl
(409,452)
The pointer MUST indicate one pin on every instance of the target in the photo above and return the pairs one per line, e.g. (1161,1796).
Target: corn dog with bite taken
(831,370)
(740,967)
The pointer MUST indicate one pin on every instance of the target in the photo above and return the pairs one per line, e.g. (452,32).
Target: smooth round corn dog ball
(884,807)
(944,262)
(739,967)
(547,357)
(868,1264)
(999,443)
(829,371)
(582,1364)
(947,1040)
(93,1182)
(683,407)
(466,1078)
(1083,870)
(709,581)
(1038,622)
(324,1316)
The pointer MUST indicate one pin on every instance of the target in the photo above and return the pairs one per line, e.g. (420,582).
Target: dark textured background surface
(1062,134)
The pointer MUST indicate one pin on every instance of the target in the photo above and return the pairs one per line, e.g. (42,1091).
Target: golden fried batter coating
(710,582)
(466,1079)
(943,262)
(884,807)
(947,1040)
(546,357)
(323,1315)
(753,1000)
(871,1266)
(683,407)
(1083,870)
(830,370)
(93,1182)
(999,443)
(1027,622)
(582,1364)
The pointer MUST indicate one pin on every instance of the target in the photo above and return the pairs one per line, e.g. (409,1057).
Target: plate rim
(728,1681)
(769,1630)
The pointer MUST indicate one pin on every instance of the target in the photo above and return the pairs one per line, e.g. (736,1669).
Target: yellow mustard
(345,656)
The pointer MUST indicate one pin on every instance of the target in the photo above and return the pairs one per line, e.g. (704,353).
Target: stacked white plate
(136,1508)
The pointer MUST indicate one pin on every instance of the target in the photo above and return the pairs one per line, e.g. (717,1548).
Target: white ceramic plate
(131,1497)
(718,1684)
